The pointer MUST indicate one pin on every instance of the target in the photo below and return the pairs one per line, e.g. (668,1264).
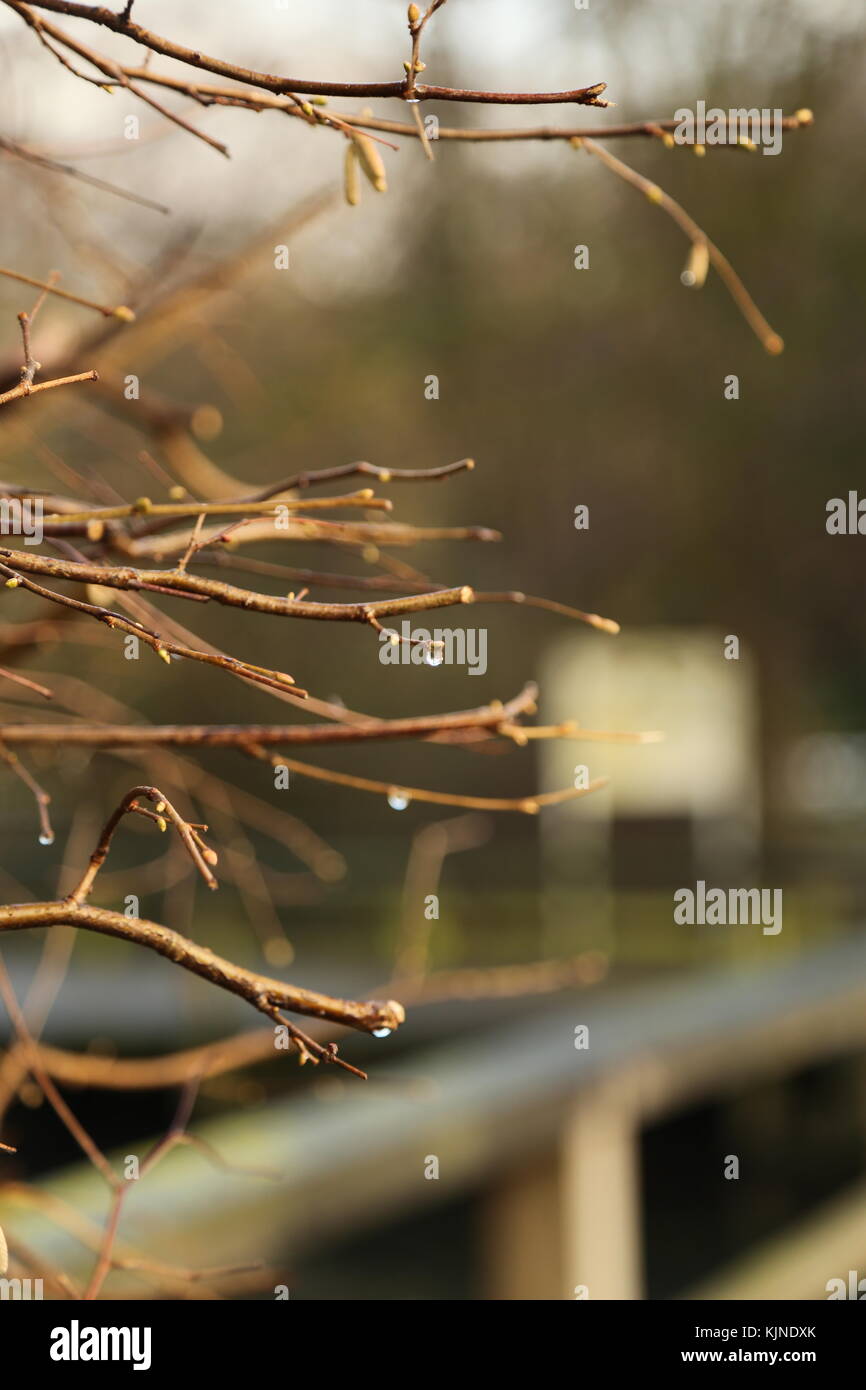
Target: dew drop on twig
(381,1032)
(46,838)
(398,801)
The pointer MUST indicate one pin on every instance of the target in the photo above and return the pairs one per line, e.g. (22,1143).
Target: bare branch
(119,24)
(269,996)
(768,338)
(123,577)
(25,389)
(118,311)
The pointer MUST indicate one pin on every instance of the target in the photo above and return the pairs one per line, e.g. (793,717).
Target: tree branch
(124,577)
(25,389)
(490,716)
(121,24)
(268,995)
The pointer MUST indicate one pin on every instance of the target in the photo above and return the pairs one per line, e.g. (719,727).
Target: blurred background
(497,1151)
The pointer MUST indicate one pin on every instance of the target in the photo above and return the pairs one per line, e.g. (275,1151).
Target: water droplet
(381,1032)
(397,801)
(47,838)
(434,656)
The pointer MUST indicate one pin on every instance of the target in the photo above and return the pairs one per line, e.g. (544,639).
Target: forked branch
(269,996)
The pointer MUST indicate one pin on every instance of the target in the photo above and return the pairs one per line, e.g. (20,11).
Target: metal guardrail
(548,1130)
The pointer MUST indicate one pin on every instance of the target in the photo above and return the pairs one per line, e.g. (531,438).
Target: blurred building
(676,810)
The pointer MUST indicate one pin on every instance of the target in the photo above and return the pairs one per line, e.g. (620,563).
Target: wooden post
(521,1254)
(570,1220)
(600,1231)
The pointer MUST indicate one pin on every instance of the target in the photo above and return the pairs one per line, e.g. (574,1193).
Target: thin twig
(25,389)
(265,994)
(767,336)
(40,796)
(119,311)
(98,14)
(163,646)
